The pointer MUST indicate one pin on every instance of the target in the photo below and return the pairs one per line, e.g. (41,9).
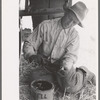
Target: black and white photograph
(58,49)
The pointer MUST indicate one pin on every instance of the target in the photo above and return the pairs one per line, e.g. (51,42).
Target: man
(54,45)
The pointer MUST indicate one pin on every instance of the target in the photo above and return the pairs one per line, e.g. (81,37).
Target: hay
(25,92)
(25,70)
(88,92)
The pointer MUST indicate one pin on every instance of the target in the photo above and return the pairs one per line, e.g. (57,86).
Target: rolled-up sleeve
(71,53)
(33,42)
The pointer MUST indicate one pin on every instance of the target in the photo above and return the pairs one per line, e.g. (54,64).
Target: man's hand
(53,67)
(36,58)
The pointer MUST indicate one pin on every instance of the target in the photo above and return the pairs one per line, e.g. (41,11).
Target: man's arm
(33,42)
(72,79)
(71,53)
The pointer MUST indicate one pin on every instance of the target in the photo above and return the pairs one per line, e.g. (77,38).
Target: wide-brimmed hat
(80,10)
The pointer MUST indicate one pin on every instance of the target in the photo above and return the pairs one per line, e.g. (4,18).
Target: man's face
(69,20)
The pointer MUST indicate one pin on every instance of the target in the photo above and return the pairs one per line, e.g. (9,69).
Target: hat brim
(80,23)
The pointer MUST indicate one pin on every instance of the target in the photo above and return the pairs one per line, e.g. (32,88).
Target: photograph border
(98,49)
(0,49)
(1,88)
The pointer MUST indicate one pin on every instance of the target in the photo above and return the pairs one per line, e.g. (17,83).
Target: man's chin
(66,27)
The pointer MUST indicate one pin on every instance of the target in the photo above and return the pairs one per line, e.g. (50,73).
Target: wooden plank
(45,11)
(26,4)
(38,4)
(56,3)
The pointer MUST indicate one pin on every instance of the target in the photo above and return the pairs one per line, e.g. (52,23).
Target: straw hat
(80,10)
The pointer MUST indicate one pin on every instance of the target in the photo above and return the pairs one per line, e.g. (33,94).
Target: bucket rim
(41,90)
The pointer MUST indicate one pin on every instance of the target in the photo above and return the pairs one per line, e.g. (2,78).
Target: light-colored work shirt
(51,40)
